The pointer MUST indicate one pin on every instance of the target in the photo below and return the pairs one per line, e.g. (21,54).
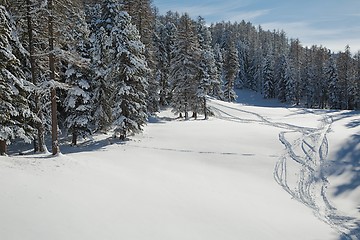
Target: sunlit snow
(235,176)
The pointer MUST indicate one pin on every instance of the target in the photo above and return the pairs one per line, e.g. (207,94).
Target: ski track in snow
(308,150)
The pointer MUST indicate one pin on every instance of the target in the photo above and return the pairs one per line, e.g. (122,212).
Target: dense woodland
(89,66)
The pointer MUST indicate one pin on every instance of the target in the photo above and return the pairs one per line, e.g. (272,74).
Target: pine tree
(333,80)
(268,76)
(357,80)
(77,101)
(143,17)
(294,77)
(290,85)
(16,119)
(231,69)
(32,34)
(280,75)
(344,65)
(184,69)
(130,109)
(119,60)
(101,61)
(165,44)
(217,87)
(209,78)
(309,77)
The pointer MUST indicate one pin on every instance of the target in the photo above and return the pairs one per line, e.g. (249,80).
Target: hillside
(255,170)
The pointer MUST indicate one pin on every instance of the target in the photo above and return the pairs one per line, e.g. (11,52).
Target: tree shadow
(90,145)
(355,232)
(348,159)
(162,120)
(253,98)
(86,145)
(353,124)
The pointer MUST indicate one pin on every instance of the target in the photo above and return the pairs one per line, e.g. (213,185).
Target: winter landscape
(118,122)
(255,170)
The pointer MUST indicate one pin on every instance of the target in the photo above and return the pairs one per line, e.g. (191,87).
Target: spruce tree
(344,66)
(290,85)
(231,69)
(102,91)
(121,69)
(209,77)
(333,80)
(143,17)
(77,102)
(16,119)
(269,81)
(165,40)
(184,69)
(357,80)
(129,75)
(280,74)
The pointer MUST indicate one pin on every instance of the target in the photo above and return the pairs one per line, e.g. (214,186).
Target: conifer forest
(99,66)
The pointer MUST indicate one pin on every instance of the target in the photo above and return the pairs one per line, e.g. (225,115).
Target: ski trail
(305,154)
(311,185)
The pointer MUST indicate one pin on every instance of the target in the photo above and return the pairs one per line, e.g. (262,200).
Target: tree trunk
(41,130)
(39,143)
(186,111)
(3,146)
(74,137)
(205,109)
(186,115)
(54,123)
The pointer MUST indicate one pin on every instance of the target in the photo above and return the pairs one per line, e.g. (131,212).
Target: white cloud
(211,11)
(335,38)
(247,16)
(333,27)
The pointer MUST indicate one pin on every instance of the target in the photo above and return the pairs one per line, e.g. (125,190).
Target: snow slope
(253,171)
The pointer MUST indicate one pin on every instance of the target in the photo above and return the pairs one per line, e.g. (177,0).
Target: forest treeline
(86,66)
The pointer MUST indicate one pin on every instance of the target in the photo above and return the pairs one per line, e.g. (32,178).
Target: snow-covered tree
(76,71)
(209,77)
(129,75)
(78,102)
(344,66)
(290,85)
(184,68)
(231,69)
(295,64)
(30,18)
(121,70)
(217,87)
(357,80)
(17,119)
(165,39)
(143,17)
(332,79)
(101,65)
(268,78)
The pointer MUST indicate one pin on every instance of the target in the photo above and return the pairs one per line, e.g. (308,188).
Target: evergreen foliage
(184,69)
(114,62)
(17,120)
(231,68)
(121,83)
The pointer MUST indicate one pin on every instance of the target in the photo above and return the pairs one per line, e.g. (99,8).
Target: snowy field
(254,171)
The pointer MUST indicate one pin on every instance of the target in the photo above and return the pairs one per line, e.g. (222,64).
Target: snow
(188,180)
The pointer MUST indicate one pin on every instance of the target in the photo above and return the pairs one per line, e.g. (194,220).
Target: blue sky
(331,23)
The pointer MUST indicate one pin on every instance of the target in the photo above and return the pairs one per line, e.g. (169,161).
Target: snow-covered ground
(256,170)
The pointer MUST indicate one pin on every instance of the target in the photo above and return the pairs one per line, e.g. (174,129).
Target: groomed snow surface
(254,171)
